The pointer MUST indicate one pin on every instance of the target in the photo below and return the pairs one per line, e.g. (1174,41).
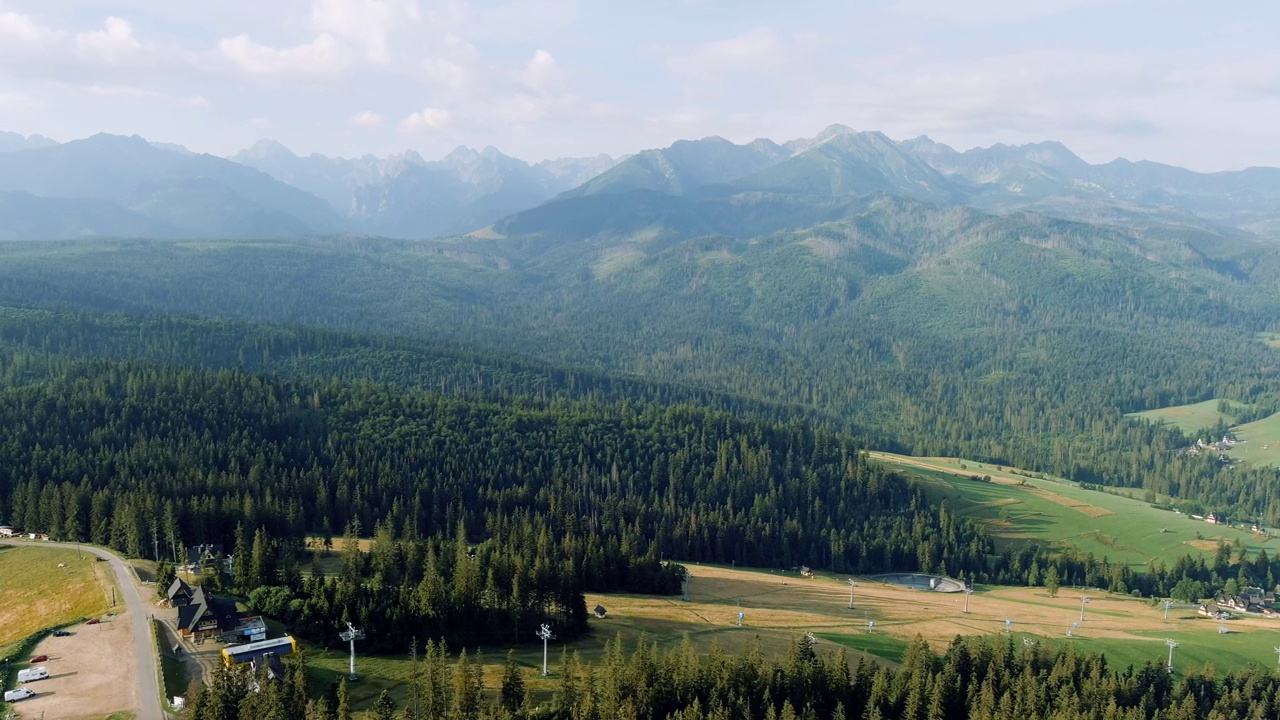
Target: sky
(1194,84)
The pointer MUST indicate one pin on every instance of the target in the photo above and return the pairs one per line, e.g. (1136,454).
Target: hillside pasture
(45,587)
(779,607)
(1188,418)
(1261,441)
(1270,339)
(1018,508)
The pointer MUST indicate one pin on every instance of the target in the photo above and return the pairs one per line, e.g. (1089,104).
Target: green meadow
(1261,438)
(1017,508)
(1197,649)
(1188,418)
(1261,444)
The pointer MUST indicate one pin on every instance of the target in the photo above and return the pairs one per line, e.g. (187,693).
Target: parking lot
(92,673)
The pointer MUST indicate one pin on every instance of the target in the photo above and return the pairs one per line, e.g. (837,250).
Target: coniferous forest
(515,425)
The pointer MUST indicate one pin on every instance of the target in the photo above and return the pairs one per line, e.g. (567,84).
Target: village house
(6,531)
(1213,610)
(203,556)
(1239,603)
(206,616)
(179,593)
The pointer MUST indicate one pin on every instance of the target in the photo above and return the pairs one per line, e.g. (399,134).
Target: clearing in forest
(1189,418)
(1018,508)
(1261,442)
(778,607)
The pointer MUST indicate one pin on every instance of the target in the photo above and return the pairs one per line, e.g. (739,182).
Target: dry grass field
(42,587)
(779,607)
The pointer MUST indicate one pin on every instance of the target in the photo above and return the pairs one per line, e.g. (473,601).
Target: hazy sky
(1189,83)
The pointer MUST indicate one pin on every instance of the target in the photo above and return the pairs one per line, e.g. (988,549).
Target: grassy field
(1261,444)
(1261,438)
(1188,418)
(1269,339)
(779,607)
(42,587)
(1017,508)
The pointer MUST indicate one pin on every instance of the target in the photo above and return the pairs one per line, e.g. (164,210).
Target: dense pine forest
(974,679)
(498,512)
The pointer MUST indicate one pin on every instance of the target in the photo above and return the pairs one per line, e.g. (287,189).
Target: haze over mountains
(114,186)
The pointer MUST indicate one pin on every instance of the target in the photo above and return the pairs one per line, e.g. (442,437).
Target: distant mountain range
(406,196)
(114,186)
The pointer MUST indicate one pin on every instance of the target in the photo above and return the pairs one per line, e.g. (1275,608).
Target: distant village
(1250,599)
(1221,447)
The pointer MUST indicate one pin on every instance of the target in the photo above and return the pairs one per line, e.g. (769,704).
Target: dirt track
(77,686)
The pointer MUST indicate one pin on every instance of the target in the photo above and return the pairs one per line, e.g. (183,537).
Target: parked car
(60,633)
(93,621)
(39,659)
(32,674)
(18,694)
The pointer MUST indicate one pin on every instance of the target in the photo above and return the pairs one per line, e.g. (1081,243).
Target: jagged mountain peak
(266,148)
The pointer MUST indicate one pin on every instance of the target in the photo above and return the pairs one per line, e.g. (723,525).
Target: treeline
(1190,578)
(437,365)
(974,679)
(496,591)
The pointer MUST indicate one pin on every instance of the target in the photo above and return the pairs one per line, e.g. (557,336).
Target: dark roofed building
(201,556)
(206,616)
(179,593)
(600,611)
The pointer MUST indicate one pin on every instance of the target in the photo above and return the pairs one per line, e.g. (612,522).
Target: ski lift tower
(1172,644)
(967,592)
(546,634)
(1084,599)
(852,584)
(351,635)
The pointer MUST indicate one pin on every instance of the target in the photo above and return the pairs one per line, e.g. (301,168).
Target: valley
(771,355)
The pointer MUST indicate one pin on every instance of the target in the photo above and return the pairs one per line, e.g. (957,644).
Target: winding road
(149,707)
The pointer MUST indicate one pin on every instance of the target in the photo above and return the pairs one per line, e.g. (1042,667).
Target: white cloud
(427,119)
(135,93)
(367,119)
(17,100)
(112,44)
(984,12)
(322,59)
(542,73)
(367,23)
(755,50)
(456,67)
(21,32)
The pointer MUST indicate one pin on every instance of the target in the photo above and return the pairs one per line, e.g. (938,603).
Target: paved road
(148,672)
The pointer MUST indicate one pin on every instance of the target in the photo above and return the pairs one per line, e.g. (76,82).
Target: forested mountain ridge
(1045,177)
(1019,338)
(183,194)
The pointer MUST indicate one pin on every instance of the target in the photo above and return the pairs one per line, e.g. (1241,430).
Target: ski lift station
(238,655)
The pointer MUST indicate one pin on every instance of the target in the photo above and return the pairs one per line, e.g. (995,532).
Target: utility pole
(351,635)
(546,634)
